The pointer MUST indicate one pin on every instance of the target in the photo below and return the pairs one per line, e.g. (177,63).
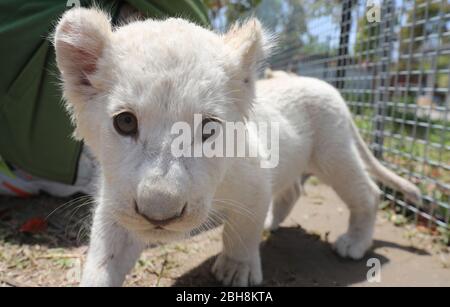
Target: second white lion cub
(126,88)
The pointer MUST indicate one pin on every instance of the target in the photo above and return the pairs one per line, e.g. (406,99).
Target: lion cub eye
(126,124)
(208,133)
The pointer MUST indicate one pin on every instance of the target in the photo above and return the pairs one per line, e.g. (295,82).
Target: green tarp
(35,132)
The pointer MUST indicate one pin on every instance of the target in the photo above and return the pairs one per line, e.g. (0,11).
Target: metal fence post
(346,23)
(385,40)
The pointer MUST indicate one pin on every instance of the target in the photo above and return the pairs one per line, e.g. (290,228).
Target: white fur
(167,71)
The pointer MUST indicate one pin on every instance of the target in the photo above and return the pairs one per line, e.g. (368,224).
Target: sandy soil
(299,254)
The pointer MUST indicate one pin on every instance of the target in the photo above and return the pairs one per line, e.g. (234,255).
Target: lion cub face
(127,87)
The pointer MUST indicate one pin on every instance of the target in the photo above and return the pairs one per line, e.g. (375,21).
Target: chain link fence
(391,61)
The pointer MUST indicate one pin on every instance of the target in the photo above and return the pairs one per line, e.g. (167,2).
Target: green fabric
(4,169)
(35,132)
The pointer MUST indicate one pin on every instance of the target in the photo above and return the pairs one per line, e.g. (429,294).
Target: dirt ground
(299,254)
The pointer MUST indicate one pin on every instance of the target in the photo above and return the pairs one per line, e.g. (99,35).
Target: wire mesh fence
(391,61)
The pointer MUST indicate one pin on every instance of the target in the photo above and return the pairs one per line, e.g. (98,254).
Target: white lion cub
(126,87)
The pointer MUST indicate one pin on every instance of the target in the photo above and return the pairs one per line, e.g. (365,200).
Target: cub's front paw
(236,273)
(348,247)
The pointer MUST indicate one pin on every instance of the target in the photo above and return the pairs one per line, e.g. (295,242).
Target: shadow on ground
(293,257)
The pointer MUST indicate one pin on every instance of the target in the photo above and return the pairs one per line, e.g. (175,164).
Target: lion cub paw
(237,274)
(348,247)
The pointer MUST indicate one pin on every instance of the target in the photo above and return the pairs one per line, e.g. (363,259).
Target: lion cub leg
(342,168)
(282,205)
(244,209)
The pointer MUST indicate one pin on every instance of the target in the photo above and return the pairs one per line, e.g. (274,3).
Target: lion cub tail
(386,176)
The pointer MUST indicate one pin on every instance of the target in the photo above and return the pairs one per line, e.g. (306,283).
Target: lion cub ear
(80,39)
(249,45)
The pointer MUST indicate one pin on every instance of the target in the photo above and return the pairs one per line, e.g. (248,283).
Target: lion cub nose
(160,209)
